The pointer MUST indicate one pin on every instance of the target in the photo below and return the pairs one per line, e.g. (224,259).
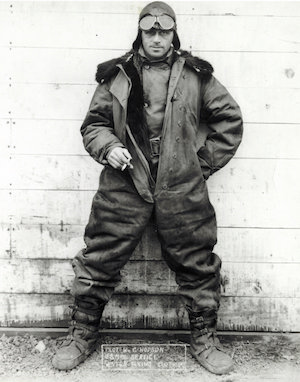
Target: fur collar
(108,69)
(202,68)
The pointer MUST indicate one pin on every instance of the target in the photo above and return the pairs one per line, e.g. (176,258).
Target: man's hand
(119,158)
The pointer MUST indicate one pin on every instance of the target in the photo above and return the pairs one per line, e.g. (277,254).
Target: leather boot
(205,346)
(83,335)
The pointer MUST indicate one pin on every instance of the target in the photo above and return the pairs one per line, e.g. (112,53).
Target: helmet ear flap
(176,41)
(137,42)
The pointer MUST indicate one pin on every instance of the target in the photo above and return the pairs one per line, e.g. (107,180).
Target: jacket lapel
(174,77)
(120,90)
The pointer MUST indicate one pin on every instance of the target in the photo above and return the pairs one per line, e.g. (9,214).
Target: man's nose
(156,37)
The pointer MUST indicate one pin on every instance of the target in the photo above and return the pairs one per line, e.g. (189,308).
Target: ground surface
(276,359)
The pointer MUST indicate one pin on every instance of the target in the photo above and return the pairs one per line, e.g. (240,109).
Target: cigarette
(124,166)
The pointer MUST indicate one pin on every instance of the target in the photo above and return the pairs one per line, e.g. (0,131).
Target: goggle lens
(166,22)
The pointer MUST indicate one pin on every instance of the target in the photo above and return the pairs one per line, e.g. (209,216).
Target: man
(143,126)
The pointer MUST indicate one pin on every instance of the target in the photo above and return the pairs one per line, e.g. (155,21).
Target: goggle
(166,22)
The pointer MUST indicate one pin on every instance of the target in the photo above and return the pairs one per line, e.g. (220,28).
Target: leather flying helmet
(157,15)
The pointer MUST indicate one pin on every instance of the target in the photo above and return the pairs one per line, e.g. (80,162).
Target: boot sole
(213,369)
(71,364)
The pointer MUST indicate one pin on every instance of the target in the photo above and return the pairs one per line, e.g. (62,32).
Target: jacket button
(179,123)
(177,139)
(147,66)
(164,187)
(146,104)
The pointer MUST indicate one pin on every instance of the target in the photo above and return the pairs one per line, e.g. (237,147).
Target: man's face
(157,42)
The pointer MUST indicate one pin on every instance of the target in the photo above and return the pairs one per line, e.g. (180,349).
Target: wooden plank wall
(49,53)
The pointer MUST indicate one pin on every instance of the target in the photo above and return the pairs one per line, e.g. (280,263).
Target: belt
(155,146)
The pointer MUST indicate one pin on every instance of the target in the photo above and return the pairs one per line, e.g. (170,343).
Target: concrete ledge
(158,335)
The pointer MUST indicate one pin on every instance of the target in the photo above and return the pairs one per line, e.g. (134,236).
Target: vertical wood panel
(7,63)
(6,206)
(5,24)
(5,137)
(6,101)
(5,241)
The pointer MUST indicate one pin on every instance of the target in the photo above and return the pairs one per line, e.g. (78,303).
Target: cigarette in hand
(128,164)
